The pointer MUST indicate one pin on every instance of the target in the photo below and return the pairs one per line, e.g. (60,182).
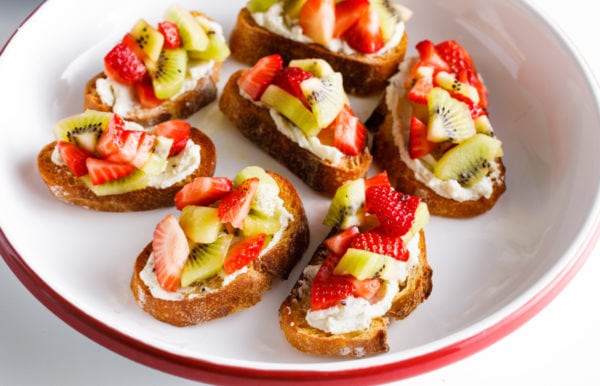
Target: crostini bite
(301,116)
(230,240)
(365,40)
(433,134)
(161,72)
(102,162)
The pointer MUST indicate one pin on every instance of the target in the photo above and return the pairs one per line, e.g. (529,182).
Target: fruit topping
(203,191)
(148,39)
(347,206)
(101,171)
(347,13)
(418,144)
(83,129)
(394,210)
(349,134)
(242,252)
(176,129)
(292,108)
(170,248)
(205,260)
(74,157)
(325,97)
(201,224)
(317,19)
(341,241)
(363,264)
(451,84)
(379,243)
(234,207)
(365,35)
(170,33)
(123,64)
(169,74)
(192,35)
(289,79)
(255,80)
(449,118)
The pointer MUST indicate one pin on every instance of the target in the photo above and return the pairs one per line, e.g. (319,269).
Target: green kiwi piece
(483,125)
(291,9)
(134,181)
(449,118)
(169,74)
(449,82)
(317,67)
(193,37)
(292,108)
(205,260)
(260,5)
(254,171)
(365,265)
(149,39)
(255,224)
(158,160)
(325,96)
(265,202)
(201,224)
(389,17)
(347,207)
(469,161)
(217,48)
(83,129)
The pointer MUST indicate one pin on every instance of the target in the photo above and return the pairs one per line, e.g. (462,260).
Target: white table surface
(556,347)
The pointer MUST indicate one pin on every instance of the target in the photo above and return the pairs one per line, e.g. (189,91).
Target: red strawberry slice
(379,243)
(430,57)
(146,144)
(127,146)
(74,157)
(145,93)
(256,79)
(418,144)
(365,35)
(349,134)
(341,241)
(289,79)
(234,207)
(418,92)
(203,191)
(394,210)
(347,13)
(329,293)
(101,171)
(171,249)
(317,19)
(123,64)
(366,288)
(176,129)
(470,76)
(111,138)
(170,32)
(243,252)
(378,179)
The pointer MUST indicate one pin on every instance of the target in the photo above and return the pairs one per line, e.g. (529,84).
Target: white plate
(491,273)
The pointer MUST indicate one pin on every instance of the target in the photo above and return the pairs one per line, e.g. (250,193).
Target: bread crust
(70,189)
(363,74)
(255,123)
(292,314)
(246,289)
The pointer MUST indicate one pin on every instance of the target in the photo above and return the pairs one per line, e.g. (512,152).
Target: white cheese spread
(178,167)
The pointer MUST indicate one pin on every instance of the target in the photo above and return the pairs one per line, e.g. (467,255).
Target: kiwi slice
(134,181)
(325,96)
(365,265)
(483,125)
(291,9)
(389,17)
(169,74)
(201,224)
(83,129)
(157,162)
(449,118)
(317,67)
(449,82)
(148,39)
(254,171)
(292,108)
(260,5)
(255,224)
(469,161)
(347,207)
(217,48)
(205,260)
(193,37)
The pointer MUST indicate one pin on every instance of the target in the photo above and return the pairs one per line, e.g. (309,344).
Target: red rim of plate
(200,370)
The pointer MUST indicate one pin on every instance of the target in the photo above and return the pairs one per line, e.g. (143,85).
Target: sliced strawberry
(176,129)
(328,293)
(130,42)
(145,93)
(365,35)
(420,89)
(317,19)
(127,148)
(203,191)
(101,171)
(341,241)
(373,241)
(243,252)
(170,32)
(366,288)
(74,157)
(256,79)
(394,210)
(378,179)
(289,79)
(347,13)
(326,135)
(430,57)
(123,64)
(171,249)
(349,134)
(146,144)
(418,144)
(234,207)
(111,138)
(470,76)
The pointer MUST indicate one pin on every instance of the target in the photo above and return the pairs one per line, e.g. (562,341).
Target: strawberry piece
(256,79)
(101,171)
(418,144)
(243,252)
(378,179)
(203,191)
(349,134)
(365,35)
(379,243)
(289,79)
(145,93)
(127,146)
(74,157)
(171,34)
(394,210)
(341,241)
(470,76)
(430,57)
(130,42)
(347,13)
(171,249)
(418,92)
(123,64)
(111,138)
(176,129)
(146,144)
(317,19)
(366,288)
(234,207)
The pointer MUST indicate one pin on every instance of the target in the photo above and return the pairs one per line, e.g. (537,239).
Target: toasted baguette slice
(257,125)
(246,289)
(373,340)
(363,74)
(70,189)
